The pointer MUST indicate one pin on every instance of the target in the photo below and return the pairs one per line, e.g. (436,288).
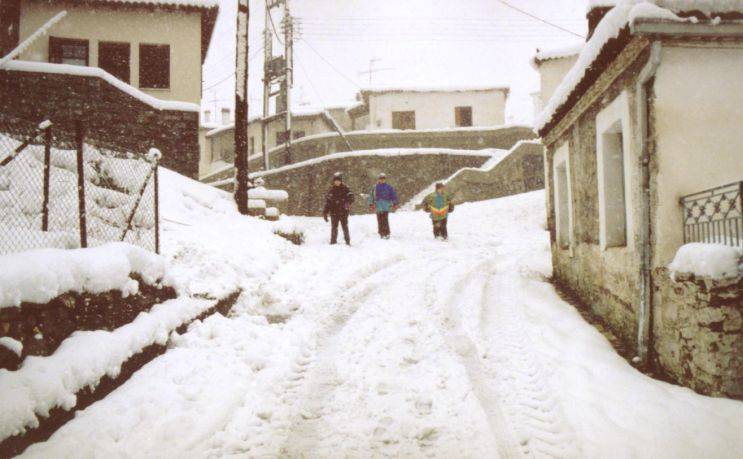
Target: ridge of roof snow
(202,4)
(625,13)
(558,52)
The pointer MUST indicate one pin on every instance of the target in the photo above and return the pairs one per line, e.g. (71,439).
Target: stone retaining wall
(521,171)
(698,332)
(503,137)
(42,327)
(408,173)
(111,117)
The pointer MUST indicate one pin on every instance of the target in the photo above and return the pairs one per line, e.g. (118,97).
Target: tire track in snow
(468,353)
(308,391)
(522,376)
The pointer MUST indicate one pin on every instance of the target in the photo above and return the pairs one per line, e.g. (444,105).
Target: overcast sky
(424,42)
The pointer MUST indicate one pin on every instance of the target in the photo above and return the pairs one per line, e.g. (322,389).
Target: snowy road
(403,348)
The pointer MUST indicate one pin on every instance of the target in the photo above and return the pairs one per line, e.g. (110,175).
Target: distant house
(429,108)
(553,64)
(649,114)
(219,148)
(150,52)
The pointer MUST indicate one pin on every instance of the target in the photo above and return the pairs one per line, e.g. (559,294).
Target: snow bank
(43,383)
(624,13)
(211,248)
(38,276)
(13,344)
(709,260)
(268,195)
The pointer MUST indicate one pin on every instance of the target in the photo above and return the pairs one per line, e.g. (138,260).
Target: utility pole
(373,70)
(277,71)
(241,108)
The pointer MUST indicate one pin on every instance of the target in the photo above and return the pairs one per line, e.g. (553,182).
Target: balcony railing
(715,215)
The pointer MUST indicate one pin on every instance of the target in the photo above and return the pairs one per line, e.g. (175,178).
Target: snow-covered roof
(201,4)
(296,113)
(600,4)
(389,89)
(559,52)
(79,70)
(625,13)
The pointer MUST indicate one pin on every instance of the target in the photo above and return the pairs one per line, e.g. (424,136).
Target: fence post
(47,171)
(79,137)
(157,211)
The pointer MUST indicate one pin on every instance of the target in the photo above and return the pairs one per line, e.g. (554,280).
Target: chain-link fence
(57,190)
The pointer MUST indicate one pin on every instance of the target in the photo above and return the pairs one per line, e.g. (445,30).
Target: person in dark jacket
(338,205)
(383,200)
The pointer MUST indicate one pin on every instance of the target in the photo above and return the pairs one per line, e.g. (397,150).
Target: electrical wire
(330,64)
(273,27)
(502,2)
(232,74)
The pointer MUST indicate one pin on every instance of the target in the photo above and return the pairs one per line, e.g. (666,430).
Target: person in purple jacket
(383,200)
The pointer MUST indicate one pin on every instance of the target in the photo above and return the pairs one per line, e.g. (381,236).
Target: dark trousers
(439,229)
(343,220)
(383,223)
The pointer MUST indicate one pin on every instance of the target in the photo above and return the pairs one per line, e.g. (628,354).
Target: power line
(330,64)
(232,74)
(273,27)
(503,2)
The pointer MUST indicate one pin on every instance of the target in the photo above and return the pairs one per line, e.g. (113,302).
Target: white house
(429,108)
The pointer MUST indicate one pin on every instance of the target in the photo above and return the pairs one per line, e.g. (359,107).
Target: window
(403,120)
(225,116)
(68,51)
(251,145)
(114,58)
(612,170)
(562,198)
(298,134)
(282,137)
(463,116)
(154,66)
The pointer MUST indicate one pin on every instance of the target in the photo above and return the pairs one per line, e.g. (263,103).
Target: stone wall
(408,173)
(606,280)
(111,117)
(42,327)
(698,332)
(521,171)
(460,139)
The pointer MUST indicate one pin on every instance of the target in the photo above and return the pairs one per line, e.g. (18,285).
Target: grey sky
(426,42)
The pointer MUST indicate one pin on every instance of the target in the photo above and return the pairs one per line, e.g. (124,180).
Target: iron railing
(57,190)
(715,215)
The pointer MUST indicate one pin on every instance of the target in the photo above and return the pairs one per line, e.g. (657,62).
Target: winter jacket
(439,205)
(338,200)
(383,196)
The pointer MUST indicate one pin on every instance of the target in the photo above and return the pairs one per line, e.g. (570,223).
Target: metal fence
(715,215)
(57,190)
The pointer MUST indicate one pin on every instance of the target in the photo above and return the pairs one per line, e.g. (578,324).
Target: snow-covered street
(410,347)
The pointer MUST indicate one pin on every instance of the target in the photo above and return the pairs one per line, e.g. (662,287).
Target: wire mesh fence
(57,190)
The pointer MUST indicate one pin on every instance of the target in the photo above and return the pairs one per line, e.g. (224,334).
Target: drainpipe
(644,314)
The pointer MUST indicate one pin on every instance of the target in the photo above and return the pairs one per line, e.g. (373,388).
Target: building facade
(429,108)
(649,113)
(131,72)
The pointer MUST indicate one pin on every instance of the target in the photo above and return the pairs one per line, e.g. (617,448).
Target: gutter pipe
(645,312)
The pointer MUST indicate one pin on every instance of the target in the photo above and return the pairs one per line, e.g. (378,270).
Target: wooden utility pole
(241,108)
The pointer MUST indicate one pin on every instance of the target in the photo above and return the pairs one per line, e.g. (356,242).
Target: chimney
(596,12)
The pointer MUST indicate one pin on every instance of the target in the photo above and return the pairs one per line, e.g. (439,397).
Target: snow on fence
(58,191)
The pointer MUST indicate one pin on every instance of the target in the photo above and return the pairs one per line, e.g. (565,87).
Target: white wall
(551,73)
(698,112)
(435,110)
